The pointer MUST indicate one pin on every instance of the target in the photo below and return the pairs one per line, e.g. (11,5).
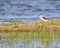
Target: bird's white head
(40,16)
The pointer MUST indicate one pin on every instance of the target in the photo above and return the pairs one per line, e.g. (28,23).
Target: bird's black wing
(45,18)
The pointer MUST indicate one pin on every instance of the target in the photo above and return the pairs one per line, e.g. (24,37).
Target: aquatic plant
(45,37)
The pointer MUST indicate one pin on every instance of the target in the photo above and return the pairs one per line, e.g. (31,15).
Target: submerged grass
(27,37)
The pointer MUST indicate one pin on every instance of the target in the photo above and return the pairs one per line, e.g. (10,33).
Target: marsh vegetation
(35,35)
(34,27)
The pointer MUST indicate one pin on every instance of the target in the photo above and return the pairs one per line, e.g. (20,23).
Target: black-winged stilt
(43,18)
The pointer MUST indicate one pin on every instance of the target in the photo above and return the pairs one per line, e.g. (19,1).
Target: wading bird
(43,18)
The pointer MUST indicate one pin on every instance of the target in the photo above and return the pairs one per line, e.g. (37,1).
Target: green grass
(34,31)
(29,36)
(43,31)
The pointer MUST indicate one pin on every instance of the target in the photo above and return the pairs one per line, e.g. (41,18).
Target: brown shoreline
(29,27)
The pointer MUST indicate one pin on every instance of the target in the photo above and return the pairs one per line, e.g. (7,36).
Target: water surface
(30,40)
(31,9)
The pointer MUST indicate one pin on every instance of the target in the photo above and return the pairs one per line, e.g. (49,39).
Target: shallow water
(30,40)
(21,9)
